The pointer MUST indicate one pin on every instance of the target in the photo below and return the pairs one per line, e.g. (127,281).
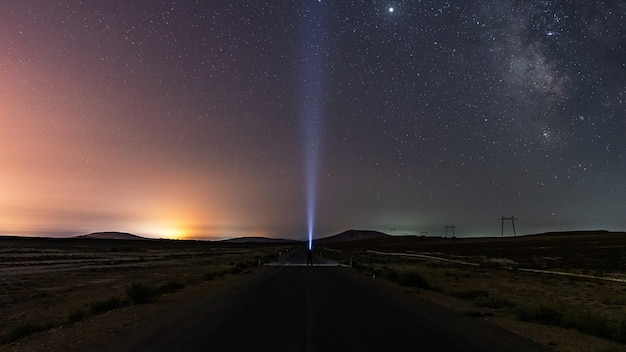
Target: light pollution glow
(80,175)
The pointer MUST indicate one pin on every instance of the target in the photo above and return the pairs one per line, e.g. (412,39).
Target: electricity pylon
(513,220)
(450,227)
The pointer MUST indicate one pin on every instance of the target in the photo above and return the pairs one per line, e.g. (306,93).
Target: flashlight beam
(312,105)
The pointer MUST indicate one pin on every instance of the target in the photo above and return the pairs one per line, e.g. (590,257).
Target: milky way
(188,119)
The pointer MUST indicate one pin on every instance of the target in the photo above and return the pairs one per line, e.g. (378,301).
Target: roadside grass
(584,322)
(26,329)
(138,292)
(379,268)
(557,300)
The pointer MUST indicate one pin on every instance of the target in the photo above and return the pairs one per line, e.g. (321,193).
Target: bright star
(390,9)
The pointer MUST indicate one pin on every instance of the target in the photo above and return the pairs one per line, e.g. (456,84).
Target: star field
(189,119)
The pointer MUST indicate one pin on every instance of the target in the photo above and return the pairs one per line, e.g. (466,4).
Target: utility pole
(513,220)
(450,227)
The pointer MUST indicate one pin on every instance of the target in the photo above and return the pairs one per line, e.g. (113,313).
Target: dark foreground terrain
(600,251)
(320,308)
(567,291)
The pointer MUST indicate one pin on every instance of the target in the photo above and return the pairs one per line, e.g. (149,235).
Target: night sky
(190,119)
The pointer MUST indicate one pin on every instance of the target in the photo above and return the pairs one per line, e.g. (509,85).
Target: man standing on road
(309,257)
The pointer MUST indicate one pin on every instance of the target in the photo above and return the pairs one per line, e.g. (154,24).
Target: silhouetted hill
(575,233)
(258,240)
(112,236)
(353,235)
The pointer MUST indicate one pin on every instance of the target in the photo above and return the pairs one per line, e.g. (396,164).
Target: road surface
(293,307)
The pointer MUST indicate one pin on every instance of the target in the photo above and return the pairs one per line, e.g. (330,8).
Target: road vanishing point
(293,307)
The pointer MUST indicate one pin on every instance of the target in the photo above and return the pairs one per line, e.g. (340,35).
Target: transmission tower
(450,227)
(513,220)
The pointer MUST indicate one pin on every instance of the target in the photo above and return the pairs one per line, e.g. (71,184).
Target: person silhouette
(309,257)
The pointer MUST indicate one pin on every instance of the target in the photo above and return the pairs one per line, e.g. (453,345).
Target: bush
(171,286)
(269,258)
(541,314)
(390,274)
(470,295)
(141,294)
(413,279)
(490,265)
(25,330)
(481,298)
(362,268)
(76,316)
(621,333)
(215,275)
(491,302)
(100,307)
(473,314)
(238,268)
(588,324)
(583,322)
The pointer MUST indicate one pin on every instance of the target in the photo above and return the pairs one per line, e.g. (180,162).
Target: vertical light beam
(311,166)
(312,78)
(312,105)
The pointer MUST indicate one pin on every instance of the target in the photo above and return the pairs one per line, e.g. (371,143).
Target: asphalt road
(321,308)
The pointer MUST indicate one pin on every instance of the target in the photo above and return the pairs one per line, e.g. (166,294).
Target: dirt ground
(58,285)
(548,288)
(48,283)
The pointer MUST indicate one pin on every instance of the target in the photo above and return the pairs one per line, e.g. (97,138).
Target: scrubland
(52,284)
(566,291)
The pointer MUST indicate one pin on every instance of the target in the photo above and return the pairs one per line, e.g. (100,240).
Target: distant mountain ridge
(346,236)
(258,240)
(112,235)
(353,235)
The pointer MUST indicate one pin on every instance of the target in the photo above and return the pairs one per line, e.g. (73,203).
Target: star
(381,91)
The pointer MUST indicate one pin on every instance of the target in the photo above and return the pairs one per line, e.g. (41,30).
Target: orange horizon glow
(82,154)
(82,169)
